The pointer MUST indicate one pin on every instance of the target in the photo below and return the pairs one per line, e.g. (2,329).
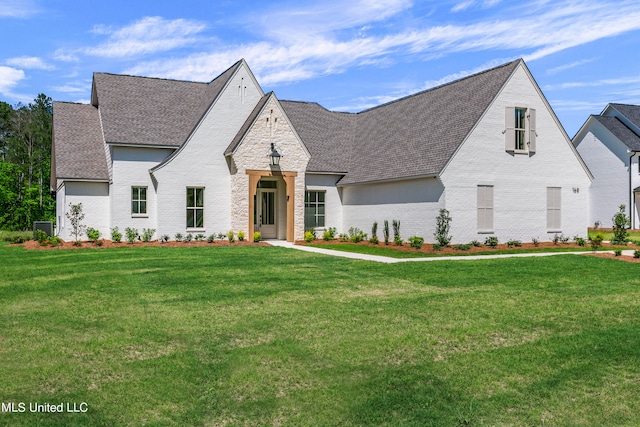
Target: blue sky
(346,55)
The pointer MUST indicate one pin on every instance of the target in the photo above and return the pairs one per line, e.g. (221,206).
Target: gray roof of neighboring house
(411,137)
(79,148)
(620,131)
(151,111)
(631,112)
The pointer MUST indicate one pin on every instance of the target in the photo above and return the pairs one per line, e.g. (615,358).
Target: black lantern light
(275,156)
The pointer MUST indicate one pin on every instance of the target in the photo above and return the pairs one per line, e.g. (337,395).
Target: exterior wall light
(275,156)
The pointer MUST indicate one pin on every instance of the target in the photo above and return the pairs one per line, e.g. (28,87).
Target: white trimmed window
(554,211)
(314,208)
(138,201)
(195,207)
(485,208)
(520,133)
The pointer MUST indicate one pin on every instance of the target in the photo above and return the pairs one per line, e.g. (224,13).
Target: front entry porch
(271,204)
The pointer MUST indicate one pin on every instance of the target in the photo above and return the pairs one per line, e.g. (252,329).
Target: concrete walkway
(389,260)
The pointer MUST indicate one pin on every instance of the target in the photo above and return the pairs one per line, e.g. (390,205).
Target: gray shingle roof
(410,137)
(327,135)
(151,111)
(620,131)
(631,112)
(79,148)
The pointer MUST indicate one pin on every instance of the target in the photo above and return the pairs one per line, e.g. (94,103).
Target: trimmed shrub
(396,232)
(164,238)
(463,247)
(512,243)
(116,236)
(131,233)
(636,253)
(309,236)
(178,237)
(617,252)
(416,241)
(535,242)
(188,238)
(200,237)
(596,241)
(257,237)
(147,234)
(211,238)
(92,234)
(231,236)
(491,241)
(241,236)
(356,235)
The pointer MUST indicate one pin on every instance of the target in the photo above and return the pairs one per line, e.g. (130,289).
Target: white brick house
(609,143)
(184,157)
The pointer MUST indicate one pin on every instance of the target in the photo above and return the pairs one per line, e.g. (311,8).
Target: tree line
(25,164)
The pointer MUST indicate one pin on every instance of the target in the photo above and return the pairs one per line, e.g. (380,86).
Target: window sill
(554,231)
(196,230)
(139,216)
(486,232)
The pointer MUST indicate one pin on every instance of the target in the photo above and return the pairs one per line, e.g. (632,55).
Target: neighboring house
(184,157)
(610,146)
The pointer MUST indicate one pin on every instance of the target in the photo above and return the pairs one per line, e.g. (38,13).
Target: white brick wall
(94,197)
(608,161)
(201,163)
(520,180)
(415,203)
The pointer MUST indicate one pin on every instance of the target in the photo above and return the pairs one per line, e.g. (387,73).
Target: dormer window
(520,133)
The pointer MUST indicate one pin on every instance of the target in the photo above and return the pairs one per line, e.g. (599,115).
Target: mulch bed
(32,244)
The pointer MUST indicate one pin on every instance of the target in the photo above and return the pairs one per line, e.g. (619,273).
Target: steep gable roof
(620,131)
(410,137)
(631,112)
(150,111)
(79,149)
(247,124)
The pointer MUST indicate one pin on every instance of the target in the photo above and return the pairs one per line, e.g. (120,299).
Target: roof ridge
(151,78)
(479,73)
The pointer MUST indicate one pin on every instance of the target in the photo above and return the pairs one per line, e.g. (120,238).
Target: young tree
(621,223)
(443,224)
(76,216)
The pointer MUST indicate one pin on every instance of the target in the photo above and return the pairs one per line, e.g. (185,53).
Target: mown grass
(270,336)
(391,251)
(634,235)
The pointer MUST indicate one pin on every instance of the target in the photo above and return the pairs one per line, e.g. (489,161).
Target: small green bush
(617,252)
(309,236)
(621,222)
(596,241)
(131,233)
(416,241)
(491,241)
(580,241)
(222,236)
(241,236)
(373,240)
(211,238)
(92,234)
(55,241)
(178,237)
(463,247)
(41,236)
(356,235)
(476,243)
(326,235)
(636,253)
(257,236)
(147,234)
(374,233)
(199,237)
(512,243)
(396,232)
(188,238)
(535,242)
(231,236)
(385,231)
(164,238)
(436,247)
(116,236)
(344,237)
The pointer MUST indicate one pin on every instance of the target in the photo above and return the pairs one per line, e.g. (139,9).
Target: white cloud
(9,77)
(29,62)
(462,6)
(545,29)
(569,66)
(148,35)
(18,8)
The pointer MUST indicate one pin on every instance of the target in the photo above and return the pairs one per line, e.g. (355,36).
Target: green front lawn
(241,336)
(393,252)
(634,235)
